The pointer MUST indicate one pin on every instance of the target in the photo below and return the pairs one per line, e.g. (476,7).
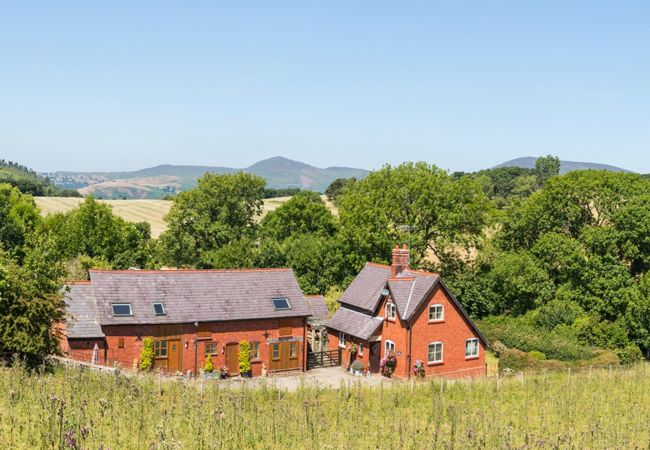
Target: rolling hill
(156,182)
(528,162)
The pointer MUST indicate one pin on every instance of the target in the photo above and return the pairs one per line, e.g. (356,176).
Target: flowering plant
(387,365)
(418,368)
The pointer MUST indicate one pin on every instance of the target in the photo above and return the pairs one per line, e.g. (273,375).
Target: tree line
(522,249)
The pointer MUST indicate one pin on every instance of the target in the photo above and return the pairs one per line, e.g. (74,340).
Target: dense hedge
(519,333)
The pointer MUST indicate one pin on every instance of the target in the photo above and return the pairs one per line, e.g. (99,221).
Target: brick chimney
(400,263)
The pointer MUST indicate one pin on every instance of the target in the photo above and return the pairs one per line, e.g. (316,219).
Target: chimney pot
(400,261)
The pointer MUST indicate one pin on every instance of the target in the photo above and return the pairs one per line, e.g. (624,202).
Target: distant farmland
(151,211)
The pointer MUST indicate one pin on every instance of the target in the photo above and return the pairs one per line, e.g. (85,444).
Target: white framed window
(121,309)
(390,311)
(435,352)
(389,346)
(341,339)
(159,309)
(436,313)
(471,348)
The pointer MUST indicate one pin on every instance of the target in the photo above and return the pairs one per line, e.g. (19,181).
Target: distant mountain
(156,182)
(528,162)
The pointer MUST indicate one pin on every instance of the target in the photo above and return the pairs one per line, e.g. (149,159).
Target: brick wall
(222,333)
(347,357)
(452,332)
(82,349)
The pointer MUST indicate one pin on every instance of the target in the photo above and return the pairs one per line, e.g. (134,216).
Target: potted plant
(223,372)
(418,368)
(387,365)
(353,348)
(208,367)
(357,368)
(245,367)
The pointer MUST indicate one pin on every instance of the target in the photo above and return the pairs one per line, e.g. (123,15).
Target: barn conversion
(191,315)
(405,321)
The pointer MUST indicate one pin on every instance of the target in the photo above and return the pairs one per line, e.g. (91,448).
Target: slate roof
(355,323)
(365,290)
(197,295)
(317,306)
(187,295)
(82,320)
(408,289)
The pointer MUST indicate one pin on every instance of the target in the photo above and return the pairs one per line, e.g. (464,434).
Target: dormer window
(121,309)
(390,311)
(159,309)
(281,303)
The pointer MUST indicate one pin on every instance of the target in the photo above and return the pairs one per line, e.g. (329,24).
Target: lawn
(70,408)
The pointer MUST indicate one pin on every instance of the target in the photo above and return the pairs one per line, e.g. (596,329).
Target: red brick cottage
(409,314)
(189,314)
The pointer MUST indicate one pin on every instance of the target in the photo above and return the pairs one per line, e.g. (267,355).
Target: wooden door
(285,355)
(174,355)
(375,356)
(232,358)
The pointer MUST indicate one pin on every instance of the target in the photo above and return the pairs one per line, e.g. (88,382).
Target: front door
(285,355)
(375,356)
(174,356)
(232,358)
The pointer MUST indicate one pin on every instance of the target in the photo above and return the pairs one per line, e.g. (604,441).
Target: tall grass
(70,408)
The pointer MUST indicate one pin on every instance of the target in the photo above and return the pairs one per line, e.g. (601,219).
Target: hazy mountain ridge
(528,162)
(155,182)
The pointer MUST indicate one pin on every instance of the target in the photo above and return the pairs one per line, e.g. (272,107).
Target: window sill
(437,321)
(342,346)
(256,361)
(204,338)
(437,363)
(390,320)
(468,358)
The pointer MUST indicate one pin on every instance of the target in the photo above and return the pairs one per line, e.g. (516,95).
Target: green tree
(219,211)
(336,188)
(30,304)
(18,218)
(414,203)
(546,167)
(304,213)
(93,233)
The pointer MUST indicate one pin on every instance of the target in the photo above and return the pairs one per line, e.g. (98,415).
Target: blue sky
(465,85)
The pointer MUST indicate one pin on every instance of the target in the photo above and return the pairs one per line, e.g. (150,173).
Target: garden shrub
(630,354)
(208,367)
(557,312)
(537,355)
(357,366)
(520,333)
(244,357)
(147,354)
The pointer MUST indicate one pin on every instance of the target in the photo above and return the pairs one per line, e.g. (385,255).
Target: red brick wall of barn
(82,349)
(221,332)
(452,332)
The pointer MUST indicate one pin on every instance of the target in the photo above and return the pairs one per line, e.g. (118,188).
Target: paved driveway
(332,377)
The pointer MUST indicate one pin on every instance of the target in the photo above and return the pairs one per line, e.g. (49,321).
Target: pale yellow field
(151,211)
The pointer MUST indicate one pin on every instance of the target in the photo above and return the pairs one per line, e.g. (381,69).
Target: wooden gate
(284,355)
(329,358)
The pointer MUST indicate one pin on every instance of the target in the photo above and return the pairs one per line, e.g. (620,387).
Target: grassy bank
(79,409)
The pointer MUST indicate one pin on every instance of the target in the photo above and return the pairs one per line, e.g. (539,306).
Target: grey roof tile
(355,323)
(318,306)
(365,290)
(82,319)
(196,295)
